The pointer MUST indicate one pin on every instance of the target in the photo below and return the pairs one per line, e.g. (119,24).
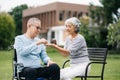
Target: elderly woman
(75,46)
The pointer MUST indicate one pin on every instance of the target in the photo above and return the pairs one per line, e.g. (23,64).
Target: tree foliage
(114,35)
(111,8)
(17,15)
(97,15)
(95,36)
(7,30)
(108,13)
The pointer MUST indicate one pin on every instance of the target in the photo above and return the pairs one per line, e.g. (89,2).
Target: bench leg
(81,78)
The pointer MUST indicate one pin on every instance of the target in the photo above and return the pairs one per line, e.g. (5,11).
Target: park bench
(97,56)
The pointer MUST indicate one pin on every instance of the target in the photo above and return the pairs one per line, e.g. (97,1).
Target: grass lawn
(112,71)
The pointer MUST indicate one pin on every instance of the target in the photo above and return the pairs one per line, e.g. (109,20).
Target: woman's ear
(77,29)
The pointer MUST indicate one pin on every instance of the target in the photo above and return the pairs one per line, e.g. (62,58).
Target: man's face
(35,28)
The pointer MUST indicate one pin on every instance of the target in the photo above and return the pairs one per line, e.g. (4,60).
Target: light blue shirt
(29,53)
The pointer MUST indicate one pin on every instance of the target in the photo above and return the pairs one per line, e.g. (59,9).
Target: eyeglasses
(37,27)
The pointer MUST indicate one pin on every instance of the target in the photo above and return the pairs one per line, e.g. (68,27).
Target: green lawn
(112,71)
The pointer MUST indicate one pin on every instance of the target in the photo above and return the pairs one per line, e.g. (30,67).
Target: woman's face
(70,28)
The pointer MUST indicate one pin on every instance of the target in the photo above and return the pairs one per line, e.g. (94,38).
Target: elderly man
(30,49)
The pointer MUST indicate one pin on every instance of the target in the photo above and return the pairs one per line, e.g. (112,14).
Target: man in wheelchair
(30,49)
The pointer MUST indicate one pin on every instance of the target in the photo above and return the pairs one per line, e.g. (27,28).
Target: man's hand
(42,41)
(50,62)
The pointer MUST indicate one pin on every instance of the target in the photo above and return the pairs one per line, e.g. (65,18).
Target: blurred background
(100,26)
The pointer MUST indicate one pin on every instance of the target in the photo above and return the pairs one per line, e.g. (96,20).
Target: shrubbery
(7,30)
(95,36)
(113,37)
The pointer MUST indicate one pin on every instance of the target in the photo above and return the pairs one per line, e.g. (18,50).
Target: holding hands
(42,41)
(53,43)
(45,42)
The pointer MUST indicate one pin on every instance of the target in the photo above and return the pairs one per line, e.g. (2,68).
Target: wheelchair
(17,67)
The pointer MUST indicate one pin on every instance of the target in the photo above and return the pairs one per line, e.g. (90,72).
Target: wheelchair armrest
(19,66)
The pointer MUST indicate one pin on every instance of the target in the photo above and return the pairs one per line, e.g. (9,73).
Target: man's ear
(28,26)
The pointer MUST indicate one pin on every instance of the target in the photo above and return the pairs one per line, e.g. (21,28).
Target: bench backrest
(97,54)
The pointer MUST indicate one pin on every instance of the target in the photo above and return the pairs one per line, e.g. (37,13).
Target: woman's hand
(51,45)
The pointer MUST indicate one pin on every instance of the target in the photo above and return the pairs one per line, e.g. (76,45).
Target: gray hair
(76,22)
(33,20)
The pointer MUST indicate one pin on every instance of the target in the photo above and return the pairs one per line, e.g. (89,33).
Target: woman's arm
(62,51)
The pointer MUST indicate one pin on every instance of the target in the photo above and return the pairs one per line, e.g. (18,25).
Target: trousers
(74,70)
(50,73)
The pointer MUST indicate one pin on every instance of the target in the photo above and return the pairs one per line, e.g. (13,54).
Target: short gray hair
(32,20)
(76,22)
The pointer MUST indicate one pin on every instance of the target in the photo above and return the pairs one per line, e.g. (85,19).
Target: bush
(7,30)
(114,52)
(95,36)
(113,36)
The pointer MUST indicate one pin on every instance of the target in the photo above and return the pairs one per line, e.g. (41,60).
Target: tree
(108,13)
(17,15)
(7,30)
(97,15)
(95,36)
(114,35)
(111,8)
(85,19)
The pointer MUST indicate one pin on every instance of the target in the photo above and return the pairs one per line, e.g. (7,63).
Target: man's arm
(21,48)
